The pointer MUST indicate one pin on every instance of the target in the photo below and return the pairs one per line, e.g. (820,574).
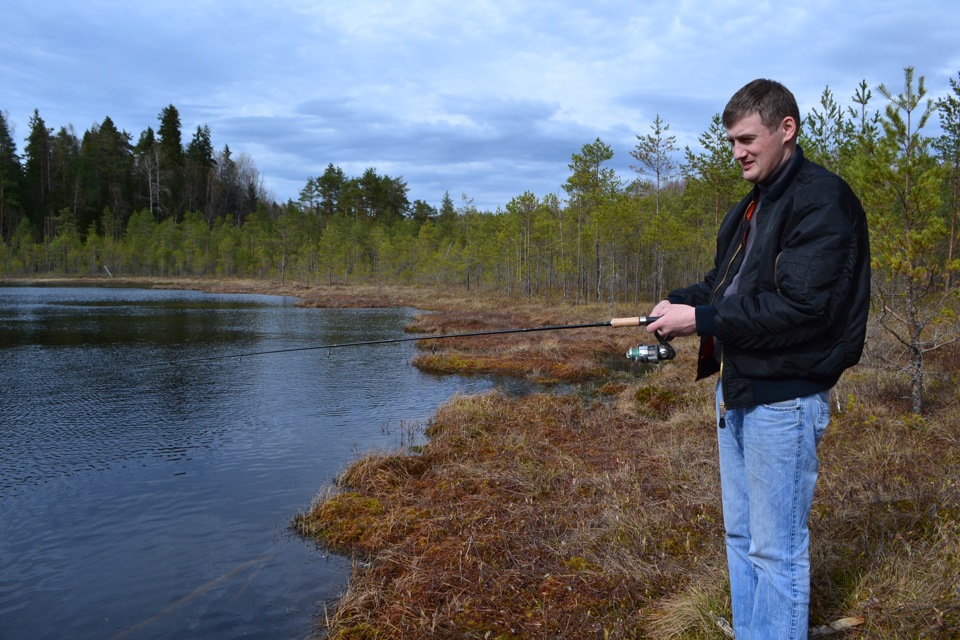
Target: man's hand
(675,319)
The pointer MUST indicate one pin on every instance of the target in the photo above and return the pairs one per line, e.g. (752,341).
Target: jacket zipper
(722,422)
(776,270)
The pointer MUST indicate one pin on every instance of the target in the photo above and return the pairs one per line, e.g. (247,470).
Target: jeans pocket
(823,415)
(784,405)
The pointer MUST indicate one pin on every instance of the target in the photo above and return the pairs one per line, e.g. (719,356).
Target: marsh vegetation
(564,516)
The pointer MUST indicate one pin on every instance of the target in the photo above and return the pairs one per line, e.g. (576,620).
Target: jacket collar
(773,188)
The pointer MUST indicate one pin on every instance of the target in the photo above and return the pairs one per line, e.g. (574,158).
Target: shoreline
(560,516)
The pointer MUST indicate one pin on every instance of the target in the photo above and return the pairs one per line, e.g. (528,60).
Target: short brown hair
(767,98)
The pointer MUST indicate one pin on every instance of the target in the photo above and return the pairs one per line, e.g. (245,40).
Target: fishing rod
(643,353)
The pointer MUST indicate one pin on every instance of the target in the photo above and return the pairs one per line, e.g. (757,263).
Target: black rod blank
(637,321)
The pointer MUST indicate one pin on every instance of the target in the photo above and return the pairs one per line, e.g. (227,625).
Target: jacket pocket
(791,275)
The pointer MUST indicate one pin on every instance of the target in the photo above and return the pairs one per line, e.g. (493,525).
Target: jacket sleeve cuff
(706,321)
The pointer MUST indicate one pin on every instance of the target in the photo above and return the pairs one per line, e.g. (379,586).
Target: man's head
(762,121)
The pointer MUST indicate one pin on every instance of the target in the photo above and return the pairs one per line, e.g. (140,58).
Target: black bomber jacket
(798,319)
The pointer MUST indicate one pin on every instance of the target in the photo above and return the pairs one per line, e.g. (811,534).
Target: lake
(143,499)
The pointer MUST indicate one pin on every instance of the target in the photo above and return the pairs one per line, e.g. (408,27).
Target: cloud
(484,98)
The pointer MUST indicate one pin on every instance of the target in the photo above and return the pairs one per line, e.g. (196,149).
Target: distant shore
(312,295)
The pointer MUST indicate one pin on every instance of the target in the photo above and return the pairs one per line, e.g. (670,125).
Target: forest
(100,204)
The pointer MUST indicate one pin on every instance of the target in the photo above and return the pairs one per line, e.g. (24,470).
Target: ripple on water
(126,490)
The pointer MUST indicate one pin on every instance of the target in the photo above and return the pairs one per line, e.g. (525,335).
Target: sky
(481,99)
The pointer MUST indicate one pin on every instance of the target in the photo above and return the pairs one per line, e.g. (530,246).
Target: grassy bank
(555,516)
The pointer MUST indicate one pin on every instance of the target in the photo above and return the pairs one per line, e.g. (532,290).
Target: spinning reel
(652,353)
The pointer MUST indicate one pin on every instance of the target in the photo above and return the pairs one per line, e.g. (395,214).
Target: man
(781,315)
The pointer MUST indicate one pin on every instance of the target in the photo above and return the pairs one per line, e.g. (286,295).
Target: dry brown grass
(542,517)
(561,517)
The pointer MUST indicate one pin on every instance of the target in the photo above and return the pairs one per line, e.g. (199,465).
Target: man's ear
(789,128)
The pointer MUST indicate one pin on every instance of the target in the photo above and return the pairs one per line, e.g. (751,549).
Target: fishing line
(166,611)
(637,321)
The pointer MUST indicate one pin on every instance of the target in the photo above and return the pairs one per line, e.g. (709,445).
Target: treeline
(103,204)
(78,205)
(96,182)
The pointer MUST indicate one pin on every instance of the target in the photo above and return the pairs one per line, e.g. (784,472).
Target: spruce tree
(171,163)
(65,170)
(37,177)
(198,169)
(107,162)
(11,175)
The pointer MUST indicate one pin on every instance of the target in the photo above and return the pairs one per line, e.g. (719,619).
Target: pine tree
(421,211)
(655,153)
(713,171)
(902,199)
(827,136)
(713,184)
(226,196)
(589,186)
(330,187)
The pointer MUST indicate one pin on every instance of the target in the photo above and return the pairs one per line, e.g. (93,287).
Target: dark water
(153,502)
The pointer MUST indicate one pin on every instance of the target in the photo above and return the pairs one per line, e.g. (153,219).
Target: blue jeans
(768,471)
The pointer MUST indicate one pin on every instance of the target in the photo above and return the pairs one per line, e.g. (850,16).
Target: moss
(345,521)
(655,401)
(360,631)
(578,564)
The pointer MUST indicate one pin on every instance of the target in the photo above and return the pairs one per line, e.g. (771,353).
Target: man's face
(759,150)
